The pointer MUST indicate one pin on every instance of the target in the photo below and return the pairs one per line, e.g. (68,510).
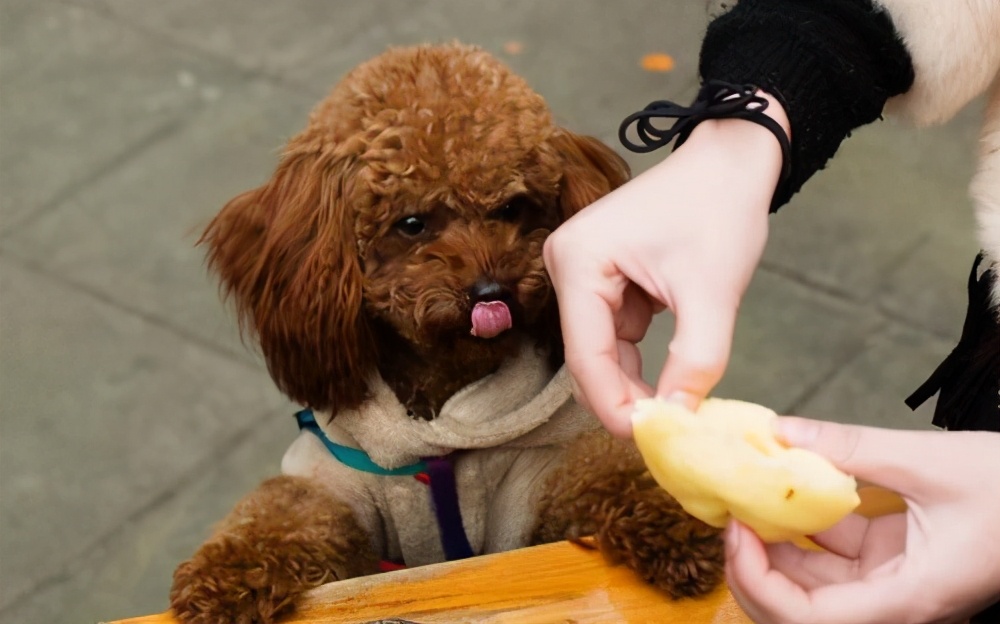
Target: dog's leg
(603,489)
(283,538)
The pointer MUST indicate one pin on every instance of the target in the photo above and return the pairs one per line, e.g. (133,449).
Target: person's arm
(832,64)
(688,234)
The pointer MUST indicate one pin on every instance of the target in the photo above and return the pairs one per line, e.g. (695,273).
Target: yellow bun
(724,461)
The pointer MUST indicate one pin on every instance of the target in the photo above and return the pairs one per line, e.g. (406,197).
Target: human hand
(686,236)
(938,562)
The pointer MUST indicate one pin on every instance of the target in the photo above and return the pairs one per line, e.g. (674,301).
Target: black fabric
(990,615)
(831,63)
(969,378)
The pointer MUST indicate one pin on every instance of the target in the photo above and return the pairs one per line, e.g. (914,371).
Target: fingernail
(686,399)
(796,431)
(732,538)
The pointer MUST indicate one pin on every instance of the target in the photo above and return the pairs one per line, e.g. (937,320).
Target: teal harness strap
(355,458)
(436,472)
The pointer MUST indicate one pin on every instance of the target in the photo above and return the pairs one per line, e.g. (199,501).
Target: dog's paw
(232,582)
(645,529)
(284,538)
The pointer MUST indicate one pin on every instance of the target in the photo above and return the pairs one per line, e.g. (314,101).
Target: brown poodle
(391,271)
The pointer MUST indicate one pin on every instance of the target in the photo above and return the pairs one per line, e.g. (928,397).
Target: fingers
(874,540)
(894,459)
(630,361)
(846,537)
(602,314)
(867,600)
(810,569)
(606,379)
(699,351)
(854,547)
(768,595)
(633,318)
(592,356)
(764,594)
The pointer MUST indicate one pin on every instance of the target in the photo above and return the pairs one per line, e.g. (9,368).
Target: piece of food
(877,501)
(724,461)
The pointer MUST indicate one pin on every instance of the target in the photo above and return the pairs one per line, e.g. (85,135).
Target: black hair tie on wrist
(716,100)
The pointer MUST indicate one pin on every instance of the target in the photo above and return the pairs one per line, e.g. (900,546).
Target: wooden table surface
(559,582)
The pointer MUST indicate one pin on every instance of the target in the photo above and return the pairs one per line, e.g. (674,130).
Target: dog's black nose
(488,290)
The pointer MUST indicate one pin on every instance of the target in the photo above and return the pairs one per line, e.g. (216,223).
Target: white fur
(985,188)
(955,47)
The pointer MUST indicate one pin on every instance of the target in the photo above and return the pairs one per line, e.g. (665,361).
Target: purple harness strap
(444,496)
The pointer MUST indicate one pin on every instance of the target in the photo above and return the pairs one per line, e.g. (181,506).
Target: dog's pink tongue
(490,318)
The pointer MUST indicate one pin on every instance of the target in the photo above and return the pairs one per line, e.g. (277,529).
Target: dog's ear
(286,255)
(591,170)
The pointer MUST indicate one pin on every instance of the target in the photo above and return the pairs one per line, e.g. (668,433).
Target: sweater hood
(520,406)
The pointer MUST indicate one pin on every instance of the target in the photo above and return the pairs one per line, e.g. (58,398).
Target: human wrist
(714,118)
(743,147)
(754,133)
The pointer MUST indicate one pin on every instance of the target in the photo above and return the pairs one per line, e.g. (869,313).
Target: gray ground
(132,417)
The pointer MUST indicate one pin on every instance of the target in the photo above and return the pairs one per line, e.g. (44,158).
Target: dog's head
(416,201)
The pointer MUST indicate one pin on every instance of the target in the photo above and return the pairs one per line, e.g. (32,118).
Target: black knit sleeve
(831,63)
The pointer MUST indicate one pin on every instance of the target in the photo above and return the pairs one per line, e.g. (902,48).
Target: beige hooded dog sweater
(504,434)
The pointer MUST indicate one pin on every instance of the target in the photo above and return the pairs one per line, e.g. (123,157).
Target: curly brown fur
(595,468)
(282,539)
(603,489)
(647,530)
(426,181)
(336,285)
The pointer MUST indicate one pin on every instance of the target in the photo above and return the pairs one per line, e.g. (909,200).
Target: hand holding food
(724,461)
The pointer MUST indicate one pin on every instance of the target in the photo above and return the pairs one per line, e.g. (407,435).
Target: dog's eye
(510,212)
(410,226)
